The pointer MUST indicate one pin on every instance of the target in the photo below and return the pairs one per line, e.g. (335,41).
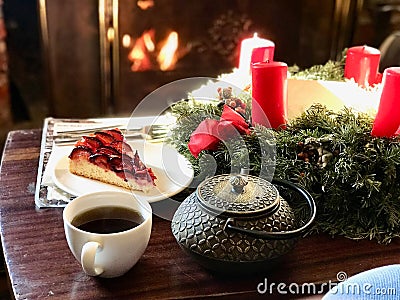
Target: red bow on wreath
(210,131)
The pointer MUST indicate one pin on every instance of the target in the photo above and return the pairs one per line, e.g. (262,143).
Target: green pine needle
(357,192)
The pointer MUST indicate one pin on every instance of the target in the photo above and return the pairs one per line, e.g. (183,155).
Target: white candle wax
(246,49)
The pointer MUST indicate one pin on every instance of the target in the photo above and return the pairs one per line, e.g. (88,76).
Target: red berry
(232,103)
(240,110)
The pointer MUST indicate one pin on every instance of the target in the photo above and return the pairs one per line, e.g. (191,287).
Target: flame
(126,40)
(167,58)
(144,56)
(138,54)
(145,4)
(148,40)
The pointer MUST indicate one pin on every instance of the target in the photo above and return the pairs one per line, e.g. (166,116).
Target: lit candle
(269,92)
(246,50)
(387,120)
(262,54)
(362,64)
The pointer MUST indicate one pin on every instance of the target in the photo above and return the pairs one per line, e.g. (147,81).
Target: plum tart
(106,156)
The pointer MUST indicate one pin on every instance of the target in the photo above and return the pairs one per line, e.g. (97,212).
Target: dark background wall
(25,60)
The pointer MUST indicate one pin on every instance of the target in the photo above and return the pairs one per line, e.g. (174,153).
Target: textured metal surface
(259,196)
(204,234)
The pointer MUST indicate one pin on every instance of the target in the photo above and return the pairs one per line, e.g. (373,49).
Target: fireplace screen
(105,56)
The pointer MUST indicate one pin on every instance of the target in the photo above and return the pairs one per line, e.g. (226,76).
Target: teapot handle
(282,235)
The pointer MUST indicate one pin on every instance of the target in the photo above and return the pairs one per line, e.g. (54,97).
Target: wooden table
(40,264)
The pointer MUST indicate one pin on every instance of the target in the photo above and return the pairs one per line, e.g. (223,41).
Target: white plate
(174,173)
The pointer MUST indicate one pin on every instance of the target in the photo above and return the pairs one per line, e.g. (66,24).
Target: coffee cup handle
(88,257)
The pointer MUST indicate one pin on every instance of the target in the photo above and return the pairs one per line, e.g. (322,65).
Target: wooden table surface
(40,264)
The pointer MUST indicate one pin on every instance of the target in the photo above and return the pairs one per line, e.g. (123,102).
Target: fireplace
(102,57)
(197,38)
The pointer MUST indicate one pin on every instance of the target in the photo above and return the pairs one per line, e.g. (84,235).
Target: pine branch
(355,187)
(330,71)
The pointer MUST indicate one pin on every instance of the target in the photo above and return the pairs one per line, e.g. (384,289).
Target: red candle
(263,54)
(387,119)
(269,91)
(362,64)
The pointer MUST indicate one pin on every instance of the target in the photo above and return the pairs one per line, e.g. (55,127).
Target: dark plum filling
(115,163)
(107,150)
(80,152)
(100,160)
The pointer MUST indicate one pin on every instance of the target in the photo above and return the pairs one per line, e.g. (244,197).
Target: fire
(144,56)
(126,40)
(139,53)
(167,56)
(145,4)
(148,40)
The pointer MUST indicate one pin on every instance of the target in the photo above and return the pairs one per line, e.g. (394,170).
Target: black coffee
(107,219)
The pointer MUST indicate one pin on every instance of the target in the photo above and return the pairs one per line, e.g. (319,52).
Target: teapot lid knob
(238,183)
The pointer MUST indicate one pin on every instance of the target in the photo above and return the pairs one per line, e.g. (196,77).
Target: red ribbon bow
(210,132)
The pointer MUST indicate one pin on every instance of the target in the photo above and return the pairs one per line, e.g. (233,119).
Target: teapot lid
(238,195)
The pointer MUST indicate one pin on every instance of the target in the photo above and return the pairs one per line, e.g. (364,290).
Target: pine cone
(316,150)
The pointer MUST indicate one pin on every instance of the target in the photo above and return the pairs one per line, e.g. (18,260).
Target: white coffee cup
(107,254)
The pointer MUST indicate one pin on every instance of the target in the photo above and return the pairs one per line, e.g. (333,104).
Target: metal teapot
(240,222)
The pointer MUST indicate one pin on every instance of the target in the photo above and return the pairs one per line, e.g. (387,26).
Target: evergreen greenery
(353,177)
(331,70)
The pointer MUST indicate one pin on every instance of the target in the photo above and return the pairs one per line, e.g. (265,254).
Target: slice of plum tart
(106,156)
